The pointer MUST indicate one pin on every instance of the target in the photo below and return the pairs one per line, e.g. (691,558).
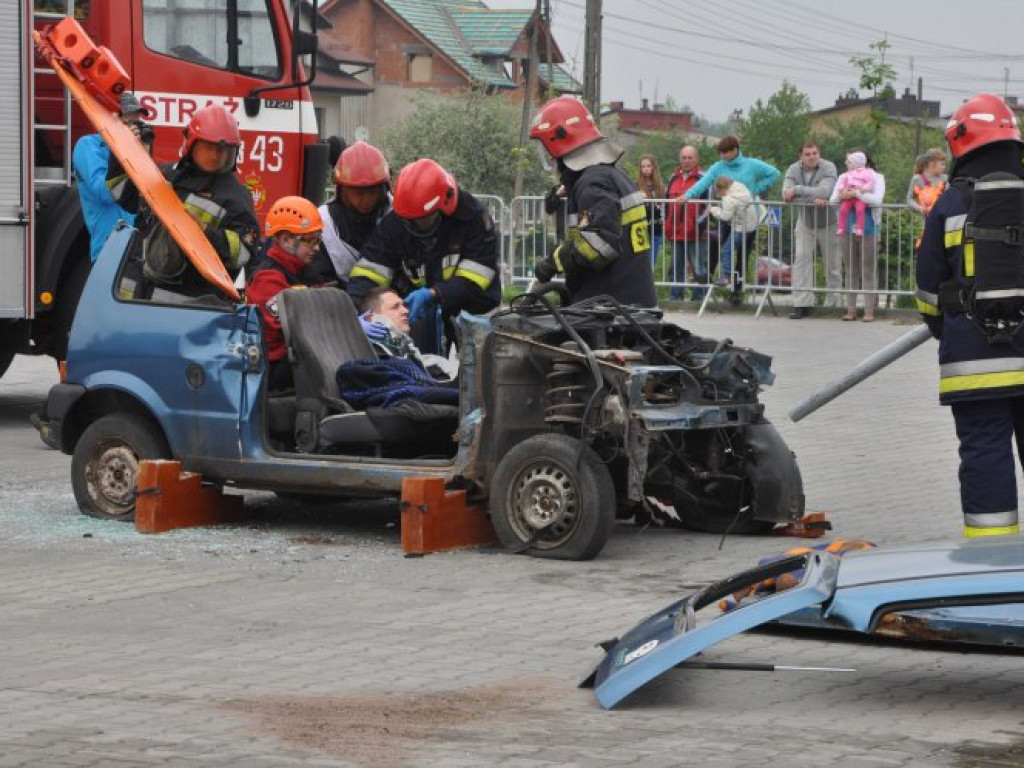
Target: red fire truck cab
(180,56)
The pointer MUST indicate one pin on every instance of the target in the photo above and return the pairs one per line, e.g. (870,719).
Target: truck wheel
(105,465)
(552,497)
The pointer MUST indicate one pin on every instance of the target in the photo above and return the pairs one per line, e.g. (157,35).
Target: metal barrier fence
(762,260)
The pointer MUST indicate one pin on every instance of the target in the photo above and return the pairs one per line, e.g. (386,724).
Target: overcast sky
(718,56)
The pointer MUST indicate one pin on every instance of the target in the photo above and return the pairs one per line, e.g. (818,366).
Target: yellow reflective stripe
(116,186)
(633,214)
(633,199)
(599,244)
(981,381)
(971,532)
(585,249)
(418,281)
(473,277)
(447,273)
(468,265)
(968,259)
(928,309)
(234,249)
(953,239)
(361,271)
(206,210)
(557,258)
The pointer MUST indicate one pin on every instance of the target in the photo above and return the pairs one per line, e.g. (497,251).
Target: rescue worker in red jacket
(981,376)
(361,199)
(437,248)
(294,228)
(205,181)
(606,249)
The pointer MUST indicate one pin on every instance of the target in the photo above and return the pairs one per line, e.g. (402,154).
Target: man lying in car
(385,318)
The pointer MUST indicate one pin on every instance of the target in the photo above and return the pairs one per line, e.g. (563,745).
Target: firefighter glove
(418,302)
(374,331)
(545,270)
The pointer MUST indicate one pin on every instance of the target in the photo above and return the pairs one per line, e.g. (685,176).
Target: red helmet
(980,120)
(212,123)
(564,125)
(422,188)
(361,165)
(295,215)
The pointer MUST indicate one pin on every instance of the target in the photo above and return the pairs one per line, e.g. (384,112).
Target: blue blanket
(383,383)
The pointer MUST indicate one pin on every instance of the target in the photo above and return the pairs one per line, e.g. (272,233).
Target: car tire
(551,497)
(105,464)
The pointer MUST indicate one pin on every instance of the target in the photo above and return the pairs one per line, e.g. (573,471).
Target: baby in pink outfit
(858,178)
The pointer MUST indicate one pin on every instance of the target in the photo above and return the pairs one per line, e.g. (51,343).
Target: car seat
(321,331)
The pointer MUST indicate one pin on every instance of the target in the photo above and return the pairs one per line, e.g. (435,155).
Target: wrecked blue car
(566,418)
(966,593)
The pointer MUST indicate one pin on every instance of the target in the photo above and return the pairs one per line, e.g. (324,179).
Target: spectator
(205,181)
(808,184)
(689,240)
(861,180)
(756,175)
(860,251)
(294,228)
(740,211)
(928,182)
(361,199)
(648,181)
(90,161)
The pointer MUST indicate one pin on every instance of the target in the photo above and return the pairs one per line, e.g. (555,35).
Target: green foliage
(875,74)
(474,136)
(774,130)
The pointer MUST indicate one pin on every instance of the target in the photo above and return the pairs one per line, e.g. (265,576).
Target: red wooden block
(169,498)
(435,520)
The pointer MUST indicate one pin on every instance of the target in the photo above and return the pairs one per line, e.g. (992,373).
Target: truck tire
(552,497)
(105,465)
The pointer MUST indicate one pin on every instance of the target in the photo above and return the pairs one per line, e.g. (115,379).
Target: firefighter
(294,227)
(360,201)
(981,372)
(437,248)
(606,248)
(205,181)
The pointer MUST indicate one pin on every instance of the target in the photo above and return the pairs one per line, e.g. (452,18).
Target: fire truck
(180,56)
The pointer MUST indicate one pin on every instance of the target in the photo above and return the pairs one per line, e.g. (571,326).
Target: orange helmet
(295,215)
(361,165)
(981,120)
(422,188)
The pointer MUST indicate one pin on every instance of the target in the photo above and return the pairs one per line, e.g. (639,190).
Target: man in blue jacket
(89,161)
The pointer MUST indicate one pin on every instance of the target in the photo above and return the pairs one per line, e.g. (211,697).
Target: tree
(476,137)
(875,74)
(774,130)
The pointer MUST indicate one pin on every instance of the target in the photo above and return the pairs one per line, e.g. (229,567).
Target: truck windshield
(237,35)
(80,8)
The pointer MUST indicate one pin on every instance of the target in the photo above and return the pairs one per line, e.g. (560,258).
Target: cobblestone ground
(304,637)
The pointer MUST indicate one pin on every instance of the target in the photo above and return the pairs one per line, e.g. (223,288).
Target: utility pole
(529,89)
(547,47)
(917,129)
(592,59)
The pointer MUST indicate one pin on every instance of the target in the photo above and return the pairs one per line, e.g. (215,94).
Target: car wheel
(552,497)
(105,465)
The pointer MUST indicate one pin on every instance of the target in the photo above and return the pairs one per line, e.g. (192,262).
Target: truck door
(15,171)
(190,53)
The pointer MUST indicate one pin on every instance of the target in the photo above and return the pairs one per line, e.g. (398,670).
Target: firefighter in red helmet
(205,181)
(970,284)
(437,248)
(361,199)
(606,248)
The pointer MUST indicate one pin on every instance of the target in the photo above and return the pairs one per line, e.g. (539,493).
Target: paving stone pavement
(303,637)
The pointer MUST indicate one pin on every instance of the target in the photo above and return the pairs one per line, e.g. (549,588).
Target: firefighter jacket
(970,368)
(218,201)
(345,233)
(459,261)
(606,250)
(278,272)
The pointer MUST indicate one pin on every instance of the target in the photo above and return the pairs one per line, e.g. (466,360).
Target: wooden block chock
(435,520)
(168,498)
